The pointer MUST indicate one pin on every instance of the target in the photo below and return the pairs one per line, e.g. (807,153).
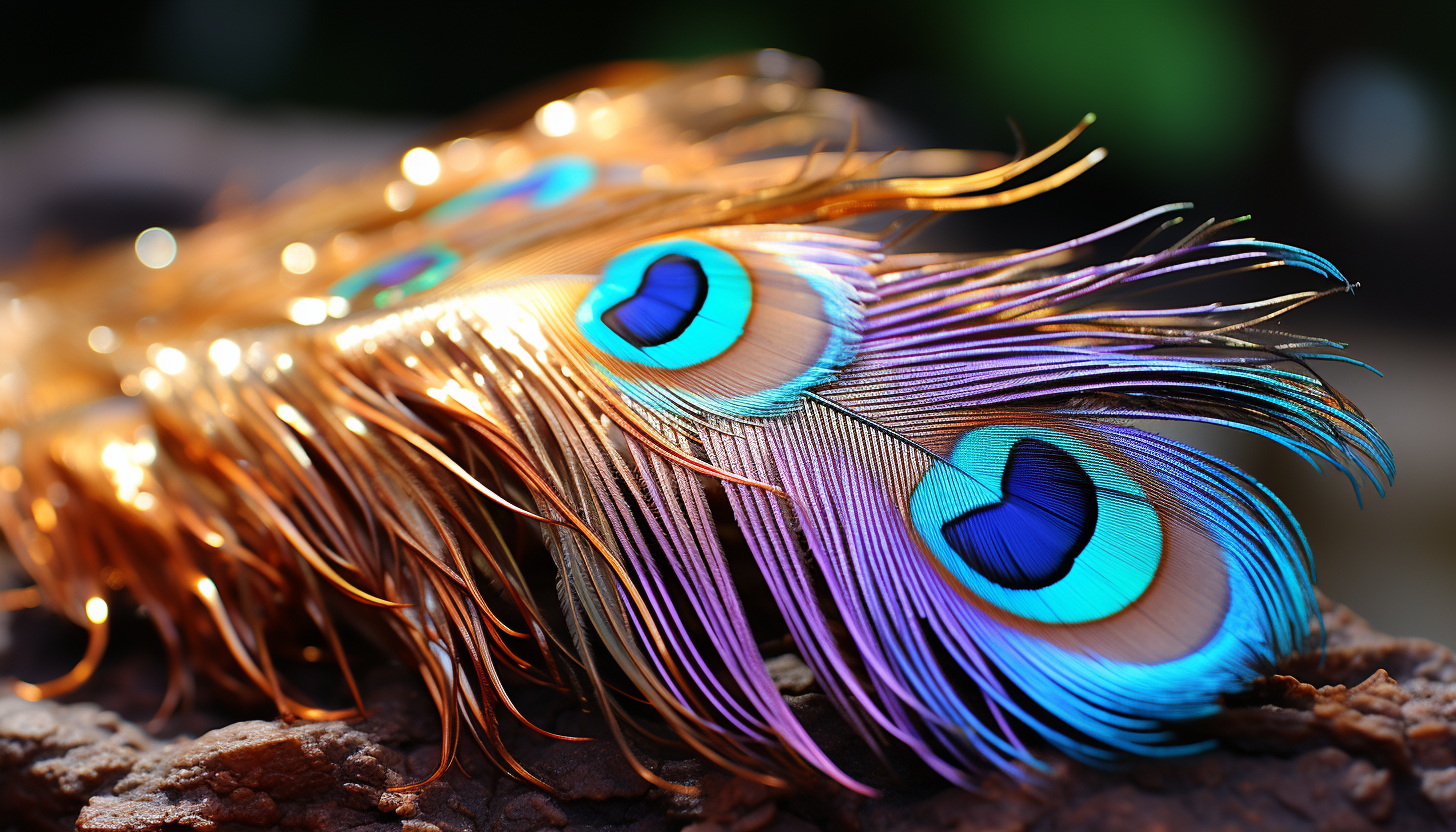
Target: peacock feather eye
(734,321)
(670,304)
(1040,524)
(400,276)
(549,183)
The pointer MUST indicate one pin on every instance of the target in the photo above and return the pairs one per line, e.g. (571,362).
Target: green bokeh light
(1172,82)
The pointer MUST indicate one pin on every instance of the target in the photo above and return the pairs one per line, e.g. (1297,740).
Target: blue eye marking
(669,304)
(1044,520)
(988,519)
(672,293)
(401,276)
(549,183)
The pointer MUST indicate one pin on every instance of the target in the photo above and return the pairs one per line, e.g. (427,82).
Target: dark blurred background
(1329,124)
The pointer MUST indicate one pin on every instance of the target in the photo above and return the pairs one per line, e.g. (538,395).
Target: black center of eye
(1046,517)
(671,295)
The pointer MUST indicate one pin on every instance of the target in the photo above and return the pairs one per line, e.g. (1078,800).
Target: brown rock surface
(1365,740)
(53,758)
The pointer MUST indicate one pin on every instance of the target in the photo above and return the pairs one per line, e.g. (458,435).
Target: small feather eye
(670,304)
(1039,524)
(549,183)
(400,276)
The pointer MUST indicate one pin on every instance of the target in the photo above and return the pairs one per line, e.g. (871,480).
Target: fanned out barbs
(538,423)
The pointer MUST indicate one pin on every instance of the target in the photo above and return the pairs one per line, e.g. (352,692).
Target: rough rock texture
(53,758)
(1365,740)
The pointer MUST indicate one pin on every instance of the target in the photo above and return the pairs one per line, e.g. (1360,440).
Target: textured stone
(53,758)
(1365,740)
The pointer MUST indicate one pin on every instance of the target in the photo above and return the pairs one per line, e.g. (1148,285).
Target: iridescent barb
(604,340)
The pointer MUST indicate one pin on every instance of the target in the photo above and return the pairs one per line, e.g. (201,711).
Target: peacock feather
(544,413)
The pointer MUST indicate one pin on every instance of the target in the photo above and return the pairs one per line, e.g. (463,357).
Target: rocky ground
(1364,740)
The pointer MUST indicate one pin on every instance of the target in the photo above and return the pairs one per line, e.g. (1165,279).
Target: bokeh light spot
(298,258)
(225,355)
(1372,132)
(399,195)
(156,248)
(308,311)
(102,340)
(556,119)
(420,166)
(171,360)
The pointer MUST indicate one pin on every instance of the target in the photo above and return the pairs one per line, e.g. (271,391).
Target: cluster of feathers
(645,355)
